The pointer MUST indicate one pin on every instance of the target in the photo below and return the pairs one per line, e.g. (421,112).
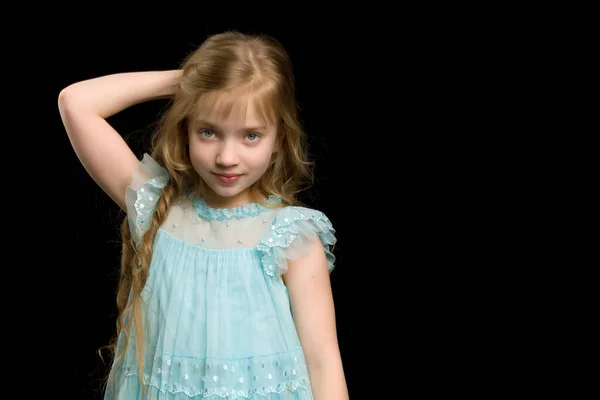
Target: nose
(227,155)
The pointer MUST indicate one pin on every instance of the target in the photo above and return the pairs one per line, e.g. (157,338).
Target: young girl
(224,289)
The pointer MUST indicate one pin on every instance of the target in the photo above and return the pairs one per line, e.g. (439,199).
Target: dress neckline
(209,213)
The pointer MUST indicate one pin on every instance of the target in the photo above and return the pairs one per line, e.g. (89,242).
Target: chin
(227,191)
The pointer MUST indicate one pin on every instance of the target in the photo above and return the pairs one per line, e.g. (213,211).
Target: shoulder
(142,194)
(299,221)
(294,232)
(289,214)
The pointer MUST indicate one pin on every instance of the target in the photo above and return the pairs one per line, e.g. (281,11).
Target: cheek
(199,155)
(263,154)
(261,159)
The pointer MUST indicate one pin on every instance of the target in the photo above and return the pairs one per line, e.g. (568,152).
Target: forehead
(234,109)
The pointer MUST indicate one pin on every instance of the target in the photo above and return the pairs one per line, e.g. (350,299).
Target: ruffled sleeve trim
(141,196)
(291,235)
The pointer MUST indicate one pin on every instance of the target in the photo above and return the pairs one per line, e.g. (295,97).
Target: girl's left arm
(309,286)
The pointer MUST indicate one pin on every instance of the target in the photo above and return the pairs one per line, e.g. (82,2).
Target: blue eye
(206,133)
(253,137)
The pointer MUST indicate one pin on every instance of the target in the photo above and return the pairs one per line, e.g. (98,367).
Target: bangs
(234,103)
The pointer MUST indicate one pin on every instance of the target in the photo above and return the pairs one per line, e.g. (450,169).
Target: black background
(378,101)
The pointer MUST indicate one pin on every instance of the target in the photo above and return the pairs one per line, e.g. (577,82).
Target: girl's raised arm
(84,107)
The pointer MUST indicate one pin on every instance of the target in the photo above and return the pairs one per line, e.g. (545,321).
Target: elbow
(69,108)
(65,99)
(65,108)
(70,104)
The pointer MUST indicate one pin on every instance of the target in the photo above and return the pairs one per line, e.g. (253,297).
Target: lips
(228,178)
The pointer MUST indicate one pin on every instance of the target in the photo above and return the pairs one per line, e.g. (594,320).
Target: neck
(216,201)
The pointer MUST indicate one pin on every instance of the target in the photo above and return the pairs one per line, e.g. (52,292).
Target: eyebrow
(202,122)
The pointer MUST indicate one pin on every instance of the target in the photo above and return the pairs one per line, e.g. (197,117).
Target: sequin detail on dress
(290,234)
(143,194)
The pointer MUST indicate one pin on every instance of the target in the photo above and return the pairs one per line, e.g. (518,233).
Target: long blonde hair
(222,69)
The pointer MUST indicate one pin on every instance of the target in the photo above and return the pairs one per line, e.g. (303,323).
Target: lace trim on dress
(226,378)
(247,210)
(291,236)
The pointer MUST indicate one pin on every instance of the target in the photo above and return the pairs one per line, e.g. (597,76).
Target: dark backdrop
(405,110)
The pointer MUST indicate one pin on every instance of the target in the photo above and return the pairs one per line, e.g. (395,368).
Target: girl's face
(230,153)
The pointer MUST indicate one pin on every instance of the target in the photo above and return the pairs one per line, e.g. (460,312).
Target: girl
(224,289)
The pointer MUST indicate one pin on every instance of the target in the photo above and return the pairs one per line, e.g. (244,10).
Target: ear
(279,136)
(274,156)
(278,142)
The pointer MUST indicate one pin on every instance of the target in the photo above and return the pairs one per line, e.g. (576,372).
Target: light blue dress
(218,318)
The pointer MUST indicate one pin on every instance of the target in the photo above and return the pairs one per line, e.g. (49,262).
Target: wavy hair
(225,70)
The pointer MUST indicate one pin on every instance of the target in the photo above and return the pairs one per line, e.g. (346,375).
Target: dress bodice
(217,316)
